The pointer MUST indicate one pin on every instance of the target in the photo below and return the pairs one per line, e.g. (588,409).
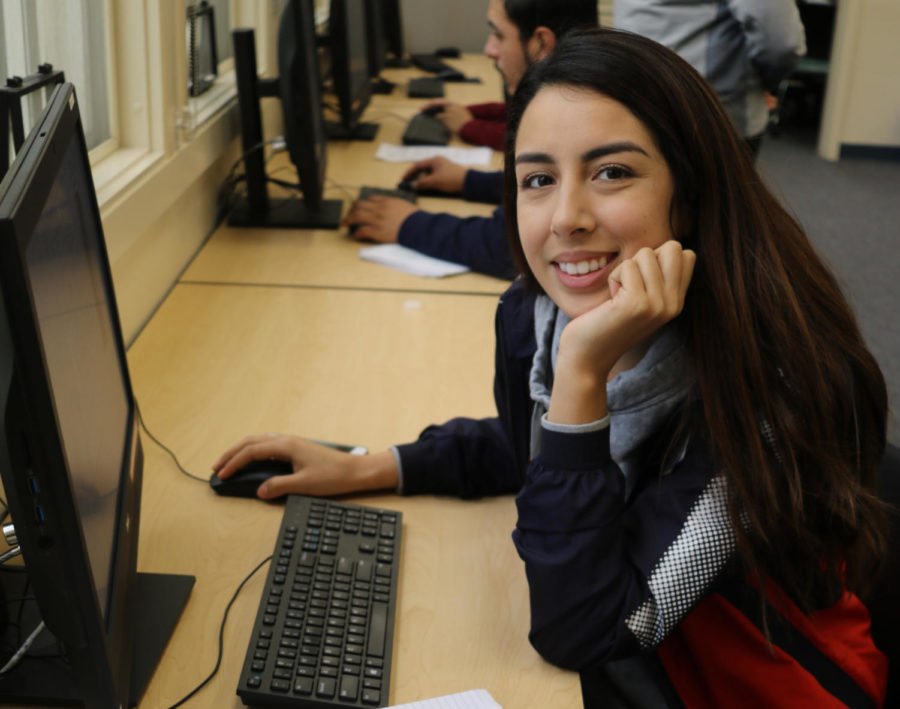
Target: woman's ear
(541,44)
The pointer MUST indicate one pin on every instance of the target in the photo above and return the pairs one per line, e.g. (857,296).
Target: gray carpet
(851,211)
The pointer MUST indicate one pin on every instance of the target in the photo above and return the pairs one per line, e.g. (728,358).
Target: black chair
(884,601)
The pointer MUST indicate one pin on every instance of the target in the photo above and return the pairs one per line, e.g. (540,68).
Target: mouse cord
(167,450)
(221,634)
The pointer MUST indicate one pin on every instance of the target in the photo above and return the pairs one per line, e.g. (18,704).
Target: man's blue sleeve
(481,186)
(477,242)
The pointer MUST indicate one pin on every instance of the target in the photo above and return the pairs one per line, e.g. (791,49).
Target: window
(72,36)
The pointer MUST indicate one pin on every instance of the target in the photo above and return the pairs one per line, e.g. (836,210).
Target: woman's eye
(535,181)
(613,172)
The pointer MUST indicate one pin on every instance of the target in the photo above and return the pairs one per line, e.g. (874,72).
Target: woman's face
(593,189)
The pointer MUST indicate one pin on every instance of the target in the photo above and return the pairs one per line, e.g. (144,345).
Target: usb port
(33,485)
(39,514)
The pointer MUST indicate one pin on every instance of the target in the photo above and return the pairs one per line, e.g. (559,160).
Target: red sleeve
(488,127)
(489,133)
(495,111)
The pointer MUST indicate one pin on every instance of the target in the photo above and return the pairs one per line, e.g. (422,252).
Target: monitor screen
(375,39)
(298,88)
(70,453)
(78,338)
(393,29)
(350,68)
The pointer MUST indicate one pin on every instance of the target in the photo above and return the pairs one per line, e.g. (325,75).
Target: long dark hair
(794,405)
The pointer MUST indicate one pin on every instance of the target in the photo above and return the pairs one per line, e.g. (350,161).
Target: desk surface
(370,369)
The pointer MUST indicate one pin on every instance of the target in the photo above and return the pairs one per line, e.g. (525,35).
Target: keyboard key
(303,686)
(371,696)
(377,627)
(349,688)
(325,687)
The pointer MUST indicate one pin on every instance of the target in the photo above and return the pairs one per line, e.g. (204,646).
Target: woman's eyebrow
(533,157)
(620,147)
(600,151)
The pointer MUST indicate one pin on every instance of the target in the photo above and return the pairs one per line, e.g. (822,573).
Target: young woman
(710,424)
(686,405)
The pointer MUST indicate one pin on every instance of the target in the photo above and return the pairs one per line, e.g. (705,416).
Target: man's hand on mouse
(378,218)
(318,470)
(453,115)
(439,174)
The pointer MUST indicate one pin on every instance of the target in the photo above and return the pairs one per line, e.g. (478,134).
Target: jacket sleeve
(609,578)
(775,37)
(476,242)
(463,457)
(489,133)
(481,186)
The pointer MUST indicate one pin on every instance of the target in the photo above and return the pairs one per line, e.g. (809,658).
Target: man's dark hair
(560,16)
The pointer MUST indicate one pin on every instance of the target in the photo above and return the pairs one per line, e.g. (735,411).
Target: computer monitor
(392,23)
(298,88)
(70,452)
(377,47)
(347,44)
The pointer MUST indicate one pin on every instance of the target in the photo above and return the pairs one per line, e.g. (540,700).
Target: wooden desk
(218,362)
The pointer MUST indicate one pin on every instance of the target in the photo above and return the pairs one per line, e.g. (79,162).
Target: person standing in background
(744,48)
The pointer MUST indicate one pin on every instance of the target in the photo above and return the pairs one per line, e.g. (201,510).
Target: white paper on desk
(473,699)
(410,261)
(414,153)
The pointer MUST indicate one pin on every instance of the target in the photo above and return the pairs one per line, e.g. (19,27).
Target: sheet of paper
(410,261)
(414,153)
(473,699)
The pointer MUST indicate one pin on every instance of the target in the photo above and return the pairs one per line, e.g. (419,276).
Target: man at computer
(521,33)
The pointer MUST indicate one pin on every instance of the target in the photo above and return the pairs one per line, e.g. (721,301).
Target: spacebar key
(377,626)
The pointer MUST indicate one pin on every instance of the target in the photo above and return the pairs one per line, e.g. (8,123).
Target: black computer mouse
(246,481)
(450,75)
(449,52)
(407,184)
(432,110)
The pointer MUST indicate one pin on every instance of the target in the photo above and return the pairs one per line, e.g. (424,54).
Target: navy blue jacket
(477,242)
(640,594)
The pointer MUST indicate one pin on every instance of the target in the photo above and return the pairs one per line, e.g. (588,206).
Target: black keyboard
(323,636)
(431,63)
(423,129)
(425,87)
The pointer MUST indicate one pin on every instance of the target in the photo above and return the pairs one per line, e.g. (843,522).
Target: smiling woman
(707,421)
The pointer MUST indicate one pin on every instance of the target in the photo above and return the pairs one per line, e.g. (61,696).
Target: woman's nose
(572,214)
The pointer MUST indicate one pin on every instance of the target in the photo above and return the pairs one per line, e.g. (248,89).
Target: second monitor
(350,73)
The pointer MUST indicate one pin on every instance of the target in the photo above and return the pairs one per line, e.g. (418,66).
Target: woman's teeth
(580,268)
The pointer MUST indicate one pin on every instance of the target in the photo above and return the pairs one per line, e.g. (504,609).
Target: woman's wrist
(376,471)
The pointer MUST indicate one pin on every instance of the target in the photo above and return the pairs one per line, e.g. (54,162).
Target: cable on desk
(221,634)
(161,445)
(20,653)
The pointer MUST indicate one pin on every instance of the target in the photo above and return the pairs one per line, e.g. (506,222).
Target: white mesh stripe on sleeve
(687,567)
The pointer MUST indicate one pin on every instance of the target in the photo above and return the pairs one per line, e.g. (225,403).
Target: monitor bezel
(33,464)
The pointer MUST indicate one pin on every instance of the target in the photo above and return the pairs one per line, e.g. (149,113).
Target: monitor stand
(289,213)
(361,131)
(158,605)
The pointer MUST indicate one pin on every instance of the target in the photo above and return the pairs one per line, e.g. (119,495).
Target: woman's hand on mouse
(646,291)
(438,174)
(318,470)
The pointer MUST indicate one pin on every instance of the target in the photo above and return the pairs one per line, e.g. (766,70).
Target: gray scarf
(638,399)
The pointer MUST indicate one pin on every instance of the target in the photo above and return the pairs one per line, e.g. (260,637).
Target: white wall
(429,24)
(862,103)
